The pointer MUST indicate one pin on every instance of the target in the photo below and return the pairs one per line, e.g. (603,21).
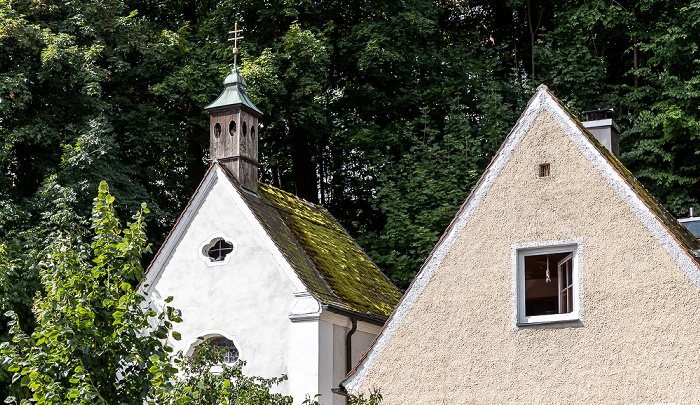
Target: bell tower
(233,126)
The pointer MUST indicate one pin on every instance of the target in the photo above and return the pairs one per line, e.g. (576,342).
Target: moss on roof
(354,279)
(678,231)
(328,261)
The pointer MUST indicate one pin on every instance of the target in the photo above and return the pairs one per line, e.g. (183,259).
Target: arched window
(217,130)
(224,346)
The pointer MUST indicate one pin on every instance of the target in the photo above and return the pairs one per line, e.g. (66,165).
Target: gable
(246,299)
(313,249)
(457,315)
(214,178)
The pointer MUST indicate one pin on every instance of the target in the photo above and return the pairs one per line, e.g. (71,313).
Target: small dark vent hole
(232,128)
(544,170)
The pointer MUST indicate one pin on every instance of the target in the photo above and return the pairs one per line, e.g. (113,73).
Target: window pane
(541,284)
(226,347)
(219,251)
(566,299)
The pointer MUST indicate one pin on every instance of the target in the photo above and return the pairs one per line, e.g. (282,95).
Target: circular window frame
(210,242)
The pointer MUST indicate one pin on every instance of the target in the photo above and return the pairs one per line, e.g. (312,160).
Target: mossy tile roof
(328,261)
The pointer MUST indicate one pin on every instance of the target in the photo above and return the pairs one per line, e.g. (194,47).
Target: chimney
(692,223)
(600,124)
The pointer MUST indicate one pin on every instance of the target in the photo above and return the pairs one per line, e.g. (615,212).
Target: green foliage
(97,342)
(115,90)
(438,176)
(94,341)
(374,398)
(206,380)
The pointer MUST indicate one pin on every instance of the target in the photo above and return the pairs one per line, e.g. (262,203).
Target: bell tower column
(233,127)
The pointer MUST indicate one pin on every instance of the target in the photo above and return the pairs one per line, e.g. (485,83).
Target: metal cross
(235,37)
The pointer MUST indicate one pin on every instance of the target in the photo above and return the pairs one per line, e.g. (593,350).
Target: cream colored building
(560,281)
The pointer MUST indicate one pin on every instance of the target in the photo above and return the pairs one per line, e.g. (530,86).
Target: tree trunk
(195,169)
(635,52)
(303,169)
(532,39)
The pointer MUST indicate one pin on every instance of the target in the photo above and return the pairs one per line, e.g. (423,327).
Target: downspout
(348,349)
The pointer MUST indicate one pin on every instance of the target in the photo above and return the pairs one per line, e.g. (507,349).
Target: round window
(245,129)
(252,132)
(217,130)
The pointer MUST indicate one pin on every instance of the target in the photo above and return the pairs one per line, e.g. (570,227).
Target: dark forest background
(386,112)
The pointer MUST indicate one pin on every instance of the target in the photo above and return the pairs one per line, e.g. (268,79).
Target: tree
(94,342)
(115,90)
(207,380)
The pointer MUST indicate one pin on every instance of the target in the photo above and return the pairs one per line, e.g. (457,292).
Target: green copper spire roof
(234,84)
(234,92)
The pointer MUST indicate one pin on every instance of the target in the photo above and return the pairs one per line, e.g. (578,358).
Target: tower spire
(235,39)
(233,118)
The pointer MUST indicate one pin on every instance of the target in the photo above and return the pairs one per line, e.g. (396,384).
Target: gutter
(348,349)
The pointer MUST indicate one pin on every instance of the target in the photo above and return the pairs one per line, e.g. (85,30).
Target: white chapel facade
(272,279)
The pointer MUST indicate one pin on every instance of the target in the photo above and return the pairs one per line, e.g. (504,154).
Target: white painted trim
(541,100)
(208,242)
(162,258)
(210,333)
(517,256)
(252,219)
(305,307)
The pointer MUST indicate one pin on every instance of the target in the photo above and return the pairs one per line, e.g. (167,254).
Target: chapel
(267,277)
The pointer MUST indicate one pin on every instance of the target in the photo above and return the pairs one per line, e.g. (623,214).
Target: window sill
(549,324)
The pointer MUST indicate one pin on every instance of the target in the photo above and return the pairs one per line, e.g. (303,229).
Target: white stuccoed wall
(254,298)
(248,299)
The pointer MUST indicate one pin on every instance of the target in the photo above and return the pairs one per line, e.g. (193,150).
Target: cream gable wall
(452,340)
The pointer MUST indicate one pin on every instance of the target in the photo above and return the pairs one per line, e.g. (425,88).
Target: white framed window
(547,278)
